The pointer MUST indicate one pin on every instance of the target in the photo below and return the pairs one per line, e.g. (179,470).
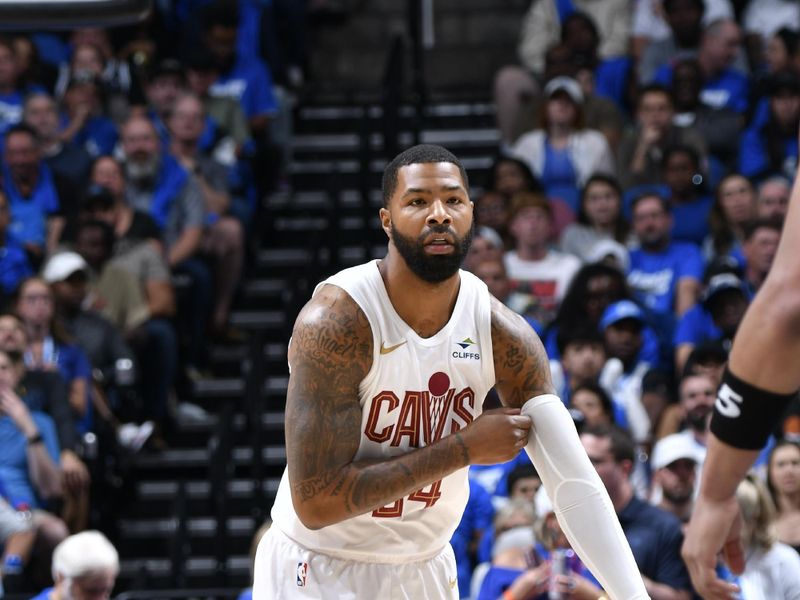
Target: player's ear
(386,221)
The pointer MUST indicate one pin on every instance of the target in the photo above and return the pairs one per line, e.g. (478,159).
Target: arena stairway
(186,515)
(185,520)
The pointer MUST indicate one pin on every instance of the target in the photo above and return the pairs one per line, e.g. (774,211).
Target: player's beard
(433,268)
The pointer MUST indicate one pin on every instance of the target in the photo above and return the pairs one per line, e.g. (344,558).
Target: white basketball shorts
(285,570)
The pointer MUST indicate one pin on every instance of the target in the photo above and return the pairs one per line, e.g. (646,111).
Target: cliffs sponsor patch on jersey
(466,350)
(421,416)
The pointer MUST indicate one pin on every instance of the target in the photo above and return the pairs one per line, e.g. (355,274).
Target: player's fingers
(522,422)
(505,410)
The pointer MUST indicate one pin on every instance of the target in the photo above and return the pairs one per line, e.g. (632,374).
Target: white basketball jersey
(417,391)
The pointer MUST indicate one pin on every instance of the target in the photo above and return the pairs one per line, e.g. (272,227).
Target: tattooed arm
(330,353)
(521,365)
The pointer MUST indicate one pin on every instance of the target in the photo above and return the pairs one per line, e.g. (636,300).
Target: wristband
(35,439)
(745,416)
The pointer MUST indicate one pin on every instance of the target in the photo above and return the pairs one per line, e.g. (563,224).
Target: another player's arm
(330,353)
(521,366)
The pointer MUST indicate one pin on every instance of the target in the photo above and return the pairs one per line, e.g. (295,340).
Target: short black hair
(750,229)
(651,192)
(577,333)
(580,17)
(23,128)
(622,444)
(654,88)
(532,183)
(710,352)
(595,388)
(421,154)
(521,471)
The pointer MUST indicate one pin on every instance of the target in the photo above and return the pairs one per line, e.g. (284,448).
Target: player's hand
(715,527)
(496,436)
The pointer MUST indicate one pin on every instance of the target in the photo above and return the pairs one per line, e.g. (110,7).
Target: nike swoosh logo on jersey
(387,349)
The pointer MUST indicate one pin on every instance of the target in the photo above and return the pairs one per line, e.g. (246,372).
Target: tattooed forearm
(463,446)
(308,489)
(330,354)
(381,483)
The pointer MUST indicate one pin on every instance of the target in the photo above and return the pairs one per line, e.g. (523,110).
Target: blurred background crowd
(645,155)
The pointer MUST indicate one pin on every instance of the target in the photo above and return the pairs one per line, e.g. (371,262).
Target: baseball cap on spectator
(516,537)
(605,248)
(97,198)
(490,234)
(620,311)
(564,84)
(62,266)
(674,447)
(721,283)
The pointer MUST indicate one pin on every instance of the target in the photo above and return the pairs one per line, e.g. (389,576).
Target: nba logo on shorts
(302,571)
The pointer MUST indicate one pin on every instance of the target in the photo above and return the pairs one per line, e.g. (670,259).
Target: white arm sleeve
(580,500)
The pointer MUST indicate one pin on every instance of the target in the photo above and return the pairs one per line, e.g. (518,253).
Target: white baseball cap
(62,265)
(564,84)
(674,447)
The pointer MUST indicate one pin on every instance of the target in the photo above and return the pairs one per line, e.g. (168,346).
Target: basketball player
(390,362)
(761,379)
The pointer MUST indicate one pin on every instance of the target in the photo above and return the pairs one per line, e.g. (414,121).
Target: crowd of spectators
(635,207)
(129,200)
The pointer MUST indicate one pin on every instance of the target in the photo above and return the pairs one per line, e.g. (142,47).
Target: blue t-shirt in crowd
(690,220)
(611,79)
(559,177)
(99,136)
(246,594)
(696,326)
(14,267)
(655,538)
(654,276)
(251,85)
(29,215)
(10,110)
(754,157)
(478,515)
(14,458)
(730,89)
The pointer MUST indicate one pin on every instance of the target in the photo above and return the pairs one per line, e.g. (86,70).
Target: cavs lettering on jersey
(417,391)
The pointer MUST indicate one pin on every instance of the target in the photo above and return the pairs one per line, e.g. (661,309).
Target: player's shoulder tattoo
(332,333)
(521,365)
